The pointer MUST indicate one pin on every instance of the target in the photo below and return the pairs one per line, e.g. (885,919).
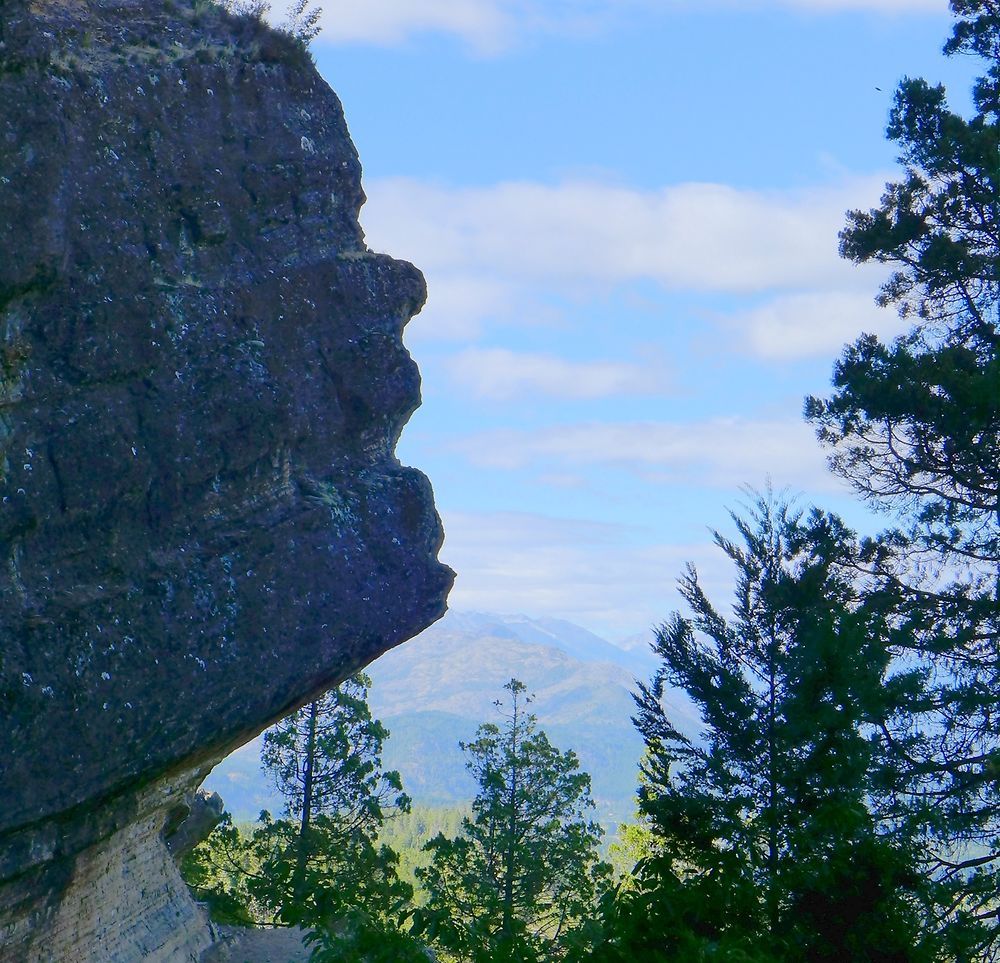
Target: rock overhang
(203,522)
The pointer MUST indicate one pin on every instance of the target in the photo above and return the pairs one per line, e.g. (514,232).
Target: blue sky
(627,214)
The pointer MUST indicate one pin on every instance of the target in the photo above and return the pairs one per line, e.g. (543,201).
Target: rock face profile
(202,381)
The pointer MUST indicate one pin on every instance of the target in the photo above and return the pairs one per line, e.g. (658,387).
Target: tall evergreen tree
(915,426)
(320,864)
(770,840)
(521,876)
(325,760)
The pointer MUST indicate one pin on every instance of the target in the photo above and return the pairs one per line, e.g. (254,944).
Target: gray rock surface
(236,945)
(194,824)
(203,523)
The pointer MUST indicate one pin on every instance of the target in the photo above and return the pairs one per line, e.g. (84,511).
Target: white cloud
(509,252)
(695,237)
(491,26)
(461,304)
(812,323)
(486,25)
(587,572)
(722,452)
(498,374)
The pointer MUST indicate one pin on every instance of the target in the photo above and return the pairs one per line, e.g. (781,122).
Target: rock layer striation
(202,381)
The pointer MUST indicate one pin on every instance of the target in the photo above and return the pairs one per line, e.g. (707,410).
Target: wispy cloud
(490,27)
(703,237)
(801,325)
(721,452)
(486,25)
(587,571)
(875,6)
(499,374)
(459,305)
(502,252)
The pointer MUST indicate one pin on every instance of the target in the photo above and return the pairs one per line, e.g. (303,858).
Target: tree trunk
(508,882)
(772,829)
(302,853)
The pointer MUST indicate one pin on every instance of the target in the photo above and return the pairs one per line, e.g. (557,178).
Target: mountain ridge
(435,690)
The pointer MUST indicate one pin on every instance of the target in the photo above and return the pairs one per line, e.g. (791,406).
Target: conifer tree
(772,831)
(325,760)
(522,875)
(914,425)
(320,864)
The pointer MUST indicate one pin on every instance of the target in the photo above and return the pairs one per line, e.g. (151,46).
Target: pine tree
(769,839)
(915,426)
(320,865)
(521,876)
(325,760)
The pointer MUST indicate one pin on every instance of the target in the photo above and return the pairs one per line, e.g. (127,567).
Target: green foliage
(523,874)
(632,843)
(301,23)
(217,871)
(653,916)
(767,840)
(321,865)
(326,759)
(408,833)
(360,938)
(915,426)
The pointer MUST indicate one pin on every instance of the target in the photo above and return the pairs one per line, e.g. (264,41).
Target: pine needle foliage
(523,874)
(914,425)
(769,838)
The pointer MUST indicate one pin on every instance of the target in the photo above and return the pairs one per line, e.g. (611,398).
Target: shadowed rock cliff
(202,381)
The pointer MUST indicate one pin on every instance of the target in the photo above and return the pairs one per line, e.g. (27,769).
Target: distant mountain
(460,665)
(633,654)
(639,643)
(433,692)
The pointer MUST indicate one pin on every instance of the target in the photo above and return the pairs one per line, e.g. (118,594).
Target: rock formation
(202,519)
(194,824)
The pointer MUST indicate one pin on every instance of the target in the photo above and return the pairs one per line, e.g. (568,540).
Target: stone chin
(202,381)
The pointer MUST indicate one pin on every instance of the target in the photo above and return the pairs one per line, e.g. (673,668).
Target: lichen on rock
(203,522)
